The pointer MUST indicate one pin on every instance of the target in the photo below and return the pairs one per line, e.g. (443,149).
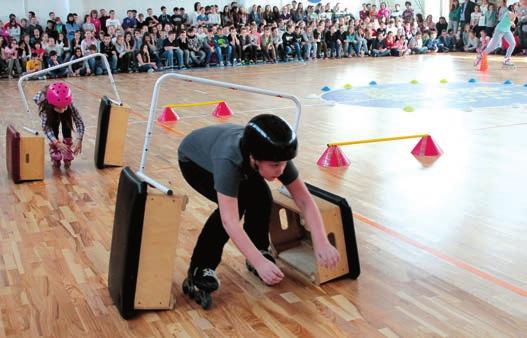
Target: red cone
(484,64)
(222,110)
(427,147)
(168,115)
(333,157)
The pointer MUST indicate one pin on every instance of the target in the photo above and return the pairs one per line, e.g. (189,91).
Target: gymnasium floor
(442,247)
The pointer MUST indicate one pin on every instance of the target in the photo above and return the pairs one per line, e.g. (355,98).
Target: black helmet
(268,137)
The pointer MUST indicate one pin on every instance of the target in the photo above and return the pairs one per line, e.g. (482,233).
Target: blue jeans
(113,63)
(92,64)
(308,47)
(334,48)
(219,55)
(59,72)
(354,46)
(377,52)
(208,52)
(226,50)
(296,46)
(198,58)
(363,45)
(169,56)
(95,66)
(183,57)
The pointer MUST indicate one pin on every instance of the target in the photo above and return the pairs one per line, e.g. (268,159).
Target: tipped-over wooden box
(110,140)
(291,240)
(24,155)
(144,241)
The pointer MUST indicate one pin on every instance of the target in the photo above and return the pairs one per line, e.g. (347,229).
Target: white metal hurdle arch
(63,65)
(187,78)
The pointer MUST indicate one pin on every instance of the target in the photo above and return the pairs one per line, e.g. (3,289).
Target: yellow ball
(414,82)
(408,109)
(347,86)
(443,81)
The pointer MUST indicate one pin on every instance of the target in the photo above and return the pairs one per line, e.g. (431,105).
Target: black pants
(254,201)
(124,62)
(237,51)
(66,131)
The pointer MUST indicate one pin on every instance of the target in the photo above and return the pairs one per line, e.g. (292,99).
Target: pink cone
(427,147)
(333,157)
(168,115)
(222,110)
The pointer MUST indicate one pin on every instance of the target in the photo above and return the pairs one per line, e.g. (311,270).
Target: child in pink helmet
(56,109)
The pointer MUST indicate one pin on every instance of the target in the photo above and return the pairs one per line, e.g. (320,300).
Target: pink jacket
(383,12)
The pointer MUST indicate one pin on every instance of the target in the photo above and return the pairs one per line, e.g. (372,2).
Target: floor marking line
(449,259)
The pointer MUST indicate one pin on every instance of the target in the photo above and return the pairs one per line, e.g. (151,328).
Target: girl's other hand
(77,147)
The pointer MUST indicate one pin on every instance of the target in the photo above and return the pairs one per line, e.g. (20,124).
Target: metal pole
(375,140)
(63,65)
(155,184)
(187,78)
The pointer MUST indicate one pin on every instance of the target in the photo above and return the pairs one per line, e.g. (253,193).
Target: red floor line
(449,259)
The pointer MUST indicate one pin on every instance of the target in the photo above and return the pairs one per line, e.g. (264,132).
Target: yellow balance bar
(196,104)
(375,140)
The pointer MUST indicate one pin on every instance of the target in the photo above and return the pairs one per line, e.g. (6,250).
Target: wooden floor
(442,248)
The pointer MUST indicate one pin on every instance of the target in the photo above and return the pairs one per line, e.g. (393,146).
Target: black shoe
(204,278)
(199,284)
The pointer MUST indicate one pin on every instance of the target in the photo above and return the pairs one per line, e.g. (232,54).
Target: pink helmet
(59,95)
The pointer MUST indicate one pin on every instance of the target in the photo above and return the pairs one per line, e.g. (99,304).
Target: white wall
(11,6)
(43,7)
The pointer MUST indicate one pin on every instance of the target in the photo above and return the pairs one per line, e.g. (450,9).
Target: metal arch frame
(63,65)
(187,78)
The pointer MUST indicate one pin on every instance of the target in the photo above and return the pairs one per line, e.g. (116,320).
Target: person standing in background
(467,8)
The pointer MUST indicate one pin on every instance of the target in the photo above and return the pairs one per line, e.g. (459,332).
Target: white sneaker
(508,62)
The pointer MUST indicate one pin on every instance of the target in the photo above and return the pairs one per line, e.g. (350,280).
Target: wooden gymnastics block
(144,239)
(112,127)
(24,155)
(291,240)
(158,250)
(32,157)
(118,127)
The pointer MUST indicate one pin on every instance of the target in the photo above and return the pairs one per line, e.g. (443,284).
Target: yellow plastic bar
(375,140)
(196,104)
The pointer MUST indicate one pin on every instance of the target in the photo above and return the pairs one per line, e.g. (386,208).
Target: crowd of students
(235,36)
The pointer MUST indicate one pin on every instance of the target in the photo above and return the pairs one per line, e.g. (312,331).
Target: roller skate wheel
(67,164)
(205,299)
(185,287)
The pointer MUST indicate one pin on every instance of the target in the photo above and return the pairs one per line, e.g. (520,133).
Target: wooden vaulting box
(144,240)
(112,127)
(24,155)
(291,240)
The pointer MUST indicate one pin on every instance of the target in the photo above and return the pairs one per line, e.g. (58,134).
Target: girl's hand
(326,254)
(269,272)
(63,148)
(77,147)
